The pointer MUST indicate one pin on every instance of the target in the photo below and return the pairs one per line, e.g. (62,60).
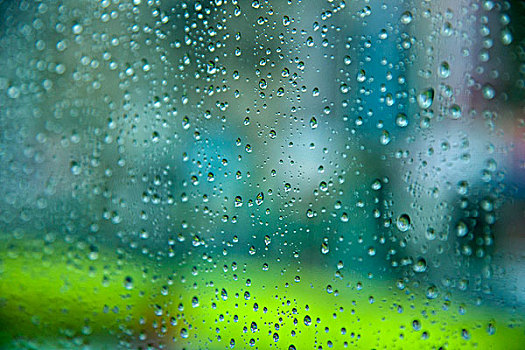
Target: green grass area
(60,296)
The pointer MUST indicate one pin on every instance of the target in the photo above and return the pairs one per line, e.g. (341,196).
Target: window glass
(262,174)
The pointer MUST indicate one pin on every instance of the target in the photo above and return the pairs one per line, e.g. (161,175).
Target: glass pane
(269,174)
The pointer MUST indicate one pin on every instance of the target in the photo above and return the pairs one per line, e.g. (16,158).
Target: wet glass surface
(270,174)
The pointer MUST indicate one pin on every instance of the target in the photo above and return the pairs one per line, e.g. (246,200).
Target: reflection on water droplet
(432,292)
(361,76)
(455,111)
(371,251)
(13,92)
(403,223)
(195,302)
(444,70)
(488,92)
(313,123)
(401,120)
(426,98)
(420,265)
(406,17)
(447,29)
(128,283)
(184,333)
(506,36)
(325,249)
(75,168)
(461,229)
(385,138)
(491,329)
(376,185)
(307,320)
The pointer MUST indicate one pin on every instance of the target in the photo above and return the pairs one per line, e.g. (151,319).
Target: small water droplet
(461,229)
(491,329)
(313,123)
(455,111)
(376,185)
(488,92)
(432,292)
(385,138)
(325,249)
(361,76)
(426,98)
(420,265)
(506,36)
(444,70)
(75,168)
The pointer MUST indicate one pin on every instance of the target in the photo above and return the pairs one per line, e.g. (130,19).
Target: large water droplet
(406,17)
(403,223)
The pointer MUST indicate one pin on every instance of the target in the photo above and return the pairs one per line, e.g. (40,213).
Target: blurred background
(383,139)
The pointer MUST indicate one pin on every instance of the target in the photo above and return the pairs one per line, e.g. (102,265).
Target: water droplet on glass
(461,229)
(371,251)
(455,111)
(403,223)
(307,320)
(385,137)
(75,168)
(325,249)
(444,70)
(401,120)
(195,302)
(376,185)
(491,329)
(313,123)
(13,92)
(361,76)
(426,98)
(506,36)
(420,265)
(184,333)
(432,292)
(488,92)
(406,17)
(128,283)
